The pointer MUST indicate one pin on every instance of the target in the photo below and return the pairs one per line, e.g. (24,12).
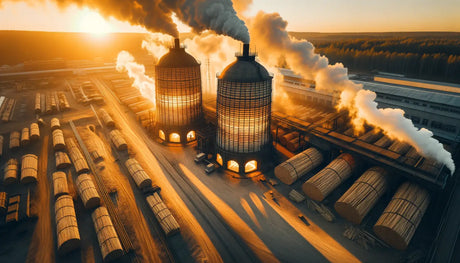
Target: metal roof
(412,93)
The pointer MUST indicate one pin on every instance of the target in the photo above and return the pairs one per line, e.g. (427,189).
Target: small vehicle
(273,182)
(200,157)
(210,168)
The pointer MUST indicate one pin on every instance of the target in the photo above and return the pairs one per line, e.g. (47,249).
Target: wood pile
(400,219)
(296,143)
(298,166)
(3,202)
(68,236)
(25,138)
(138,173)
(370,136)
(48,109)
(109,243)
(38,104)
(55,124)
(11,172)
(62,160)
(60,184)
(63,102)
(383,142)
(29,169)
(13,209)
(163,215)
(58,140)
(117,139)
(325,181)
(287,137)
(399,147)
(412,157)
(106,119)
(34,132)
(15,141)
(361,197)
(79,162)
(296,196)
(87,191)
(8,110)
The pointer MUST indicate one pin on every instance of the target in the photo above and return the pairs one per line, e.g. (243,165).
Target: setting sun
(92,22)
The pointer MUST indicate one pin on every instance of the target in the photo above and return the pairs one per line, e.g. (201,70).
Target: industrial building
(244,100)
(178,96)
(431,105)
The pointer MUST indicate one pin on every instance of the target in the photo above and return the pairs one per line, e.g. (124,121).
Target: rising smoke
(144,83)
(269,33)
(155,15)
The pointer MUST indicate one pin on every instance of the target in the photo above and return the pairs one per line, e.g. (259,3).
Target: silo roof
(177,58)
(243,70)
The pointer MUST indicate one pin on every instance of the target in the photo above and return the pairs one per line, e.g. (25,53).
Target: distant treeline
(432,58)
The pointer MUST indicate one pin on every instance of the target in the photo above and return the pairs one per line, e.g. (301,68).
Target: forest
(435,56)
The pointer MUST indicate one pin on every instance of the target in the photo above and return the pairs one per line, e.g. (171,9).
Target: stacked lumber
(138,174)
(63,102)
(412,157)
(117,139)
(8,110)
(287,137)
(60,184)
(163,215)
(383,142)
(106,119)
(79,162)
(3,202)
(398,222)
(11,172)
(298,166)
(87,191)
(25,139)
(62,160)
(326,180)
(29,168)
(321,209)
(34,132)
(55,124)
(399,147)
(38,104)
(13,209)
(48,108)
(359,199)
(294,144)
(53,102)
(15,141)
(58,140)
(96,156)
(296,196)
(370,136)
(68,237)
(106,235)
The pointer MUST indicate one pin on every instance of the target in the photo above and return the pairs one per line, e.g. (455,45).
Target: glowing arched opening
(250,166)
(191,136)
(162,135)
(219,159)
(174,137)
(233,166)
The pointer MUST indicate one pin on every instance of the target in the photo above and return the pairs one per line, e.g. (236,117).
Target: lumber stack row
(298,166)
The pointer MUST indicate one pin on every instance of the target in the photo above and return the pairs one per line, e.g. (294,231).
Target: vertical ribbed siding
(178,95)
(243,115)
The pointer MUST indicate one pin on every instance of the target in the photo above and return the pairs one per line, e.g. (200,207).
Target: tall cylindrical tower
(244,99)
(178,96)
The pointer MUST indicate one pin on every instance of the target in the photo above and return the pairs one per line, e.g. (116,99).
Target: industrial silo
(244,99)
(178,96)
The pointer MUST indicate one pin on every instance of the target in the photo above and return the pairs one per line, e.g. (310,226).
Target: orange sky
(311,16)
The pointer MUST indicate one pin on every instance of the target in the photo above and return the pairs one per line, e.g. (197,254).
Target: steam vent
(178,95)
(244,91)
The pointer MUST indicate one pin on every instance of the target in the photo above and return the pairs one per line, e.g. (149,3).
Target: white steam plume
(144,83)
(269,33)
(157,44)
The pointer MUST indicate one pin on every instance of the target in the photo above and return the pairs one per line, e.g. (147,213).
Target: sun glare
(92,22)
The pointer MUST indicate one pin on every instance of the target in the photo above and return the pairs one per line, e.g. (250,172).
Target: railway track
(231,246)
(119,227)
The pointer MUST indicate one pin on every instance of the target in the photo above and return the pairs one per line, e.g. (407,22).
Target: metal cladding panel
(243,115)
(178,96)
